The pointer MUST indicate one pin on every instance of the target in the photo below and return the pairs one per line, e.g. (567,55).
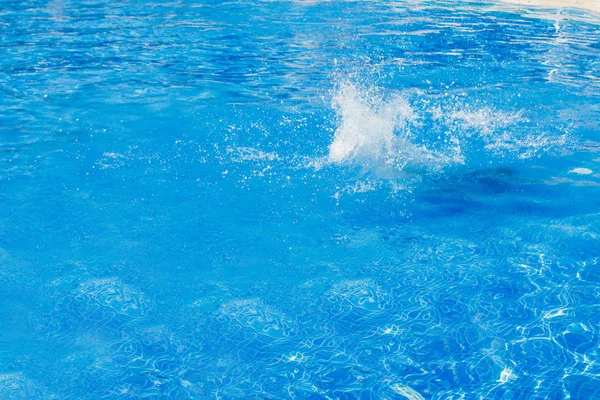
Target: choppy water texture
(298,199)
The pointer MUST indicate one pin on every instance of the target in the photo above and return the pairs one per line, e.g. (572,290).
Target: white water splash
(375,132)
(484,120)
(368,126)
(387,133)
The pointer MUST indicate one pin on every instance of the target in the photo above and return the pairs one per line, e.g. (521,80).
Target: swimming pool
(298,199)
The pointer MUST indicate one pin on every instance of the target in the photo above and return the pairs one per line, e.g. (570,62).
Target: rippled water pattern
(298,199)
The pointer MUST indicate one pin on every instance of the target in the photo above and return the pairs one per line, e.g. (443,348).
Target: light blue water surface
(298,199)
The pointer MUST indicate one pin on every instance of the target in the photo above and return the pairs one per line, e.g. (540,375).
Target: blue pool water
(298,199)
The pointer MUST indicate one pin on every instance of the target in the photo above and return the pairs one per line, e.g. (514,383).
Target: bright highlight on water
(299,200)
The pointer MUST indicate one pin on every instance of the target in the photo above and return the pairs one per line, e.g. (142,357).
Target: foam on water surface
(581,171)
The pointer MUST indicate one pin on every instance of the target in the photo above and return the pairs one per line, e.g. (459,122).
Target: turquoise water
(298,199)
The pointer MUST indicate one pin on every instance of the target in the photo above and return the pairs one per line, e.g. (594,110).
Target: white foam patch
(581,171)
(111,160)
(241,154)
